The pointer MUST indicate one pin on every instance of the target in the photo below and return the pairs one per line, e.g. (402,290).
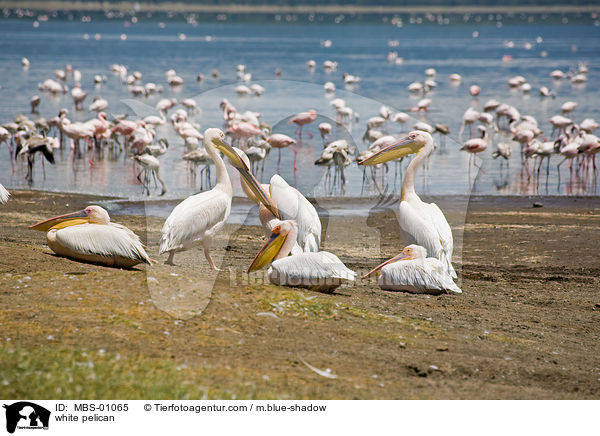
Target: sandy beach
(526,325)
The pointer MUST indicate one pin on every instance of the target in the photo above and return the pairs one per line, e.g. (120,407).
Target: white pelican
(286,203)
(321,271)
(198,218)
(421,223)
(89,236)
(4,194)
(413,271)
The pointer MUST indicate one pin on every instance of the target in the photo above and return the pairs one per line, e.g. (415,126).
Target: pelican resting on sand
(89,236)
(413,271)
(321,271)
(421,223)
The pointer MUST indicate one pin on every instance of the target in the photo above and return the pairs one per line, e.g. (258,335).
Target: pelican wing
(445,234)
(425,225)
(4,194)
(193,218)
(418,229)
(430,275)
(320,269)
(292,205)
(104,240)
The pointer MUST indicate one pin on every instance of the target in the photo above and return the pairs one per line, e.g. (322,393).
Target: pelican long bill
(244,171)
(61,221)
(231,154)
(268,251)
(394,151)
(401,256)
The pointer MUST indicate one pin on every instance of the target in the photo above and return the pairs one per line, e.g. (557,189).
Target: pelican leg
(211,262)
(169,261)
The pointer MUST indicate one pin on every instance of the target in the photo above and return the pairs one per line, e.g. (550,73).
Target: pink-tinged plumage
(303,118)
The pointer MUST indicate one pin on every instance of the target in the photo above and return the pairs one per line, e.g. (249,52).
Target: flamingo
(279,141)
(324,130)
(321,271)
(89,236)
(76,132)
(469,117)
(568,107)
(242,131)
(78,96)
(412,271)
(32,146)
(158,149)
(150,167)
(100,104)
(301,119)
(477,145)
(34,103)
(421,223)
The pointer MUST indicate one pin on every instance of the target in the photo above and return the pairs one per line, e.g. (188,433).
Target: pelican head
(274,244)
(413,143)
(410,252)
(240,162)
(89,215)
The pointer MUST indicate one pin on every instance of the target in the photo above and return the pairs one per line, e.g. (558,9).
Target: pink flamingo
(279,141)
(77,131)
(324,129)
(243,131)
(303,118)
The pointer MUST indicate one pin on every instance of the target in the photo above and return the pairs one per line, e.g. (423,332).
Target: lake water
(359,49)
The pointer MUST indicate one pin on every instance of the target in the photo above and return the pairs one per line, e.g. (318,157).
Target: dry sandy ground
(526,326)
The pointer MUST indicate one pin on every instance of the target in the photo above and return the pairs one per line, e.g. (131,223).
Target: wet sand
(526,325)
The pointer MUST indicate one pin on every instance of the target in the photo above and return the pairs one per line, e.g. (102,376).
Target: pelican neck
(408,184)
(223,181)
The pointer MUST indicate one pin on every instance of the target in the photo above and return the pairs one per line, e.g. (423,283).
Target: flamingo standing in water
(476,145)
(279,141)
(77,131)
(150,167)
(303,118)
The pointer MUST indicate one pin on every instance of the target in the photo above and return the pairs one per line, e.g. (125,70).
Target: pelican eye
(277,229)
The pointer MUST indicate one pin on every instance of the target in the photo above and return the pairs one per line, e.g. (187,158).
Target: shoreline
(297,9)
(344,206)
(525,326)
